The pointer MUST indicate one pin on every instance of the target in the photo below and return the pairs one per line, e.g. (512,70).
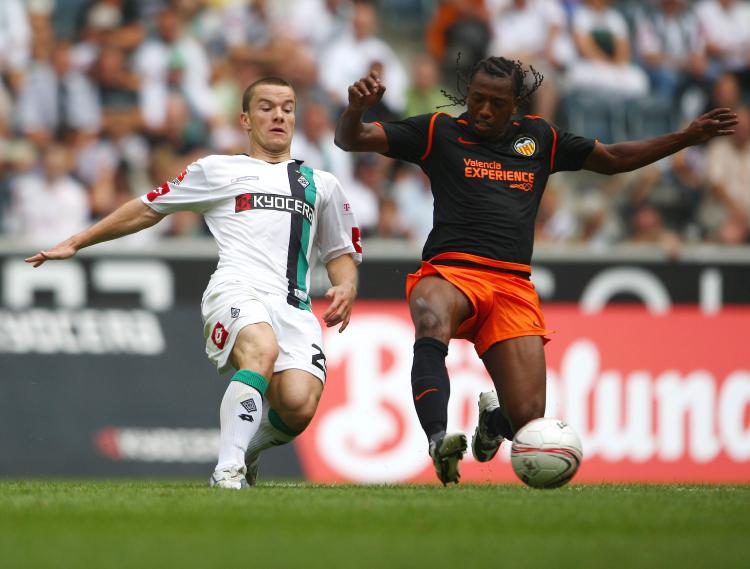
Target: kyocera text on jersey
(290,204)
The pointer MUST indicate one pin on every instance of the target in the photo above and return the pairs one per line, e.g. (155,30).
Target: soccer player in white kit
(271,216)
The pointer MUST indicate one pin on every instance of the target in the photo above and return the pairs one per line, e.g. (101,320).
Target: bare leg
(518,370)
(437,309)
(294,394)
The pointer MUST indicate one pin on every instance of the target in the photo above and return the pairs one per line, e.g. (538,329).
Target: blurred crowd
(101,100)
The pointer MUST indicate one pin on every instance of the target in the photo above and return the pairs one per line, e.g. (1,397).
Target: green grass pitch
(129,524)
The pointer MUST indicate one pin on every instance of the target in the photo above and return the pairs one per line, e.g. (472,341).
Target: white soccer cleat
(231,478)
(446,454)
(483,446)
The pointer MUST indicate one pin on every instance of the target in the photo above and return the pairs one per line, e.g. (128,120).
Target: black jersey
(486,193)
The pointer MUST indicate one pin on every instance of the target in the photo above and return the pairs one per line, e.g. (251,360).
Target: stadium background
(645,276)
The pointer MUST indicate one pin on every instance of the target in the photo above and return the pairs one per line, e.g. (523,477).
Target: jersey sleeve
(408,139)
(338,233)
(569,151)
(189,191)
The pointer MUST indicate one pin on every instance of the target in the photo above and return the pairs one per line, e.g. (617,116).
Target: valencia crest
(525,146)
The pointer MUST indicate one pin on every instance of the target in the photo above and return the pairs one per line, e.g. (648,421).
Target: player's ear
(245,121)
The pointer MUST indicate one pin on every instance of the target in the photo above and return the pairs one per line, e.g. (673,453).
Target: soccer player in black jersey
(488,171)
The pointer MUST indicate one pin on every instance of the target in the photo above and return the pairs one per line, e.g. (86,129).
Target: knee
(298,411)
(258,355)
(429,322)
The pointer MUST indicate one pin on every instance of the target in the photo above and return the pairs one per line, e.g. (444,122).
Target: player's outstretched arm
(343,274)
(128,218)
(627,156)
(351,133)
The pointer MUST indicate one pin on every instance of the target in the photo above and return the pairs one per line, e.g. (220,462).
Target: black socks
(430,386)
(499,424)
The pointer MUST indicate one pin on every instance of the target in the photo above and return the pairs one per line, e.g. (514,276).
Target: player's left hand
(718,122)
(340,310)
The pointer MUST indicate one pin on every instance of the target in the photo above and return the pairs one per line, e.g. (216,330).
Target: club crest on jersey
(525,146)
(235,312)
(303,181)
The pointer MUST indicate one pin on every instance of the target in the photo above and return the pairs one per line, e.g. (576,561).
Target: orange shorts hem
(504,305)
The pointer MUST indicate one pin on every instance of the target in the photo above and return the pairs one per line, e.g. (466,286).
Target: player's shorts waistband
(483,263)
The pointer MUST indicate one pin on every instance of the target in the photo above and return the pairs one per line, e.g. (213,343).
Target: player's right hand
(63,250)
(366,92)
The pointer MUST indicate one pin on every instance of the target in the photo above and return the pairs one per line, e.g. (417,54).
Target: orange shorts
(505,305)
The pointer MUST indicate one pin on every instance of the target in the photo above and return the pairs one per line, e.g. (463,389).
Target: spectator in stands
(647,227)
(424,94)
(670,45)
(598,229)
(726,26)
(111,22)
(330,16)
(365,190)
(314,143)
(411,190)
(533,31)
(48,204)
(355,53)
(390,222)
(56,99)
(601,36)
(726,92)
(118,86)
(458,26)
(114,165)
(15,42)
(726,213)
(555,222)
(174,62)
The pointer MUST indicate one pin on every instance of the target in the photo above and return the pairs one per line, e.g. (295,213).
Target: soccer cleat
(484,447)
(446,453)
(251,463)
(232,478)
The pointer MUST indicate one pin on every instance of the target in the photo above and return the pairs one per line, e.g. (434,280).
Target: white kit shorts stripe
(229,306)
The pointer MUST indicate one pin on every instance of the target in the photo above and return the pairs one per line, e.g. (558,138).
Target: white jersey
(270,221)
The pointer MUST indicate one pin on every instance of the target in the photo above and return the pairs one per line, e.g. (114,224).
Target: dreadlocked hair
(496,67)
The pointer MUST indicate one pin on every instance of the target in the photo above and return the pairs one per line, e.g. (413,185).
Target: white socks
(268,435)
(240,415)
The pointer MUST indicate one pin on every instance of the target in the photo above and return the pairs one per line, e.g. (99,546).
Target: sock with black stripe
(272,432)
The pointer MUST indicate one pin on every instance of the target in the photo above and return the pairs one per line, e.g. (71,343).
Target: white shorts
(227,307)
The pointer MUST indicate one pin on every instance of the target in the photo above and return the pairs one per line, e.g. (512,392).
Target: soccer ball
(546,453)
